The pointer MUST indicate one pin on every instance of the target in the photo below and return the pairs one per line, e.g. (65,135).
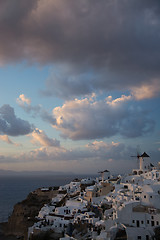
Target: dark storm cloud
(13,15)
(11,125)
(117,41)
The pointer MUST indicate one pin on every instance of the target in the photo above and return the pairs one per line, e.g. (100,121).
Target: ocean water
(14,189)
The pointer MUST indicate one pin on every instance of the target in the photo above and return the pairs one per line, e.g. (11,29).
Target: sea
(14,189)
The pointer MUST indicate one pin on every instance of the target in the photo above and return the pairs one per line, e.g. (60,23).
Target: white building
(71,188)
(71,208)
(131,207)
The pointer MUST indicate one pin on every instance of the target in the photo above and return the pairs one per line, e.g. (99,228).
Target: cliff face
(24,213)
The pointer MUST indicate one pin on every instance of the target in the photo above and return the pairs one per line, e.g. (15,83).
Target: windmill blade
(138,155)
(138,150)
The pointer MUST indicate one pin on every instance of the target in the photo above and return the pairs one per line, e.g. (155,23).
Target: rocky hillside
(24,212)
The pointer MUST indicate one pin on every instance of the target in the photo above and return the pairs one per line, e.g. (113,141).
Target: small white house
(45,211)
(71,188)
(150,195)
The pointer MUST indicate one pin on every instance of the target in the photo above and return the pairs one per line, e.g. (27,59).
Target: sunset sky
(79,84)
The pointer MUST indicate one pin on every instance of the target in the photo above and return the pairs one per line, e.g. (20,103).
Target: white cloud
(95,150)
(25,103)
(36,110)
(6,139)
(22,100)
(91,119)
(116,101)
(99,145)
(40,137)
(146,91)
(94,157)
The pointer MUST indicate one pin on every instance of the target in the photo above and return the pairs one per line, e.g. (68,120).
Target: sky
(79,84)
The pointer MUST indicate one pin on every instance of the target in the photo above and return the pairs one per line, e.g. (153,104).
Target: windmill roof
(145,155)
(104,171)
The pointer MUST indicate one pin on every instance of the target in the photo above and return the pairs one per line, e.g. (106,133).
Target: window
(147,221)
(139,237)
(144,196)
(147,237)
(157,223)
(150,196)
(152,217)
(133,221)
(152,223)
(142,222)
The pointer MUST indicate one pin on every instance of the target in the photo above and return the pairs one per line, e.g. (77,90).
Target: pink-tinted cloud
(94,157)
(22,100)
(40,137)
(6,139)
(146,90)
(116,101)
(88,119)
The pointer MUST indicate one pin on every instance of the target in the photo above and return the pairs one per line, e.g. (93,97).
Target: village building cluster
(106,207)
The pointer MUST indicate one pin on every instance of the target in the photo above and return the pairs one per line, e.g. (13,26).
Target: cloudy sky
(79,84)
